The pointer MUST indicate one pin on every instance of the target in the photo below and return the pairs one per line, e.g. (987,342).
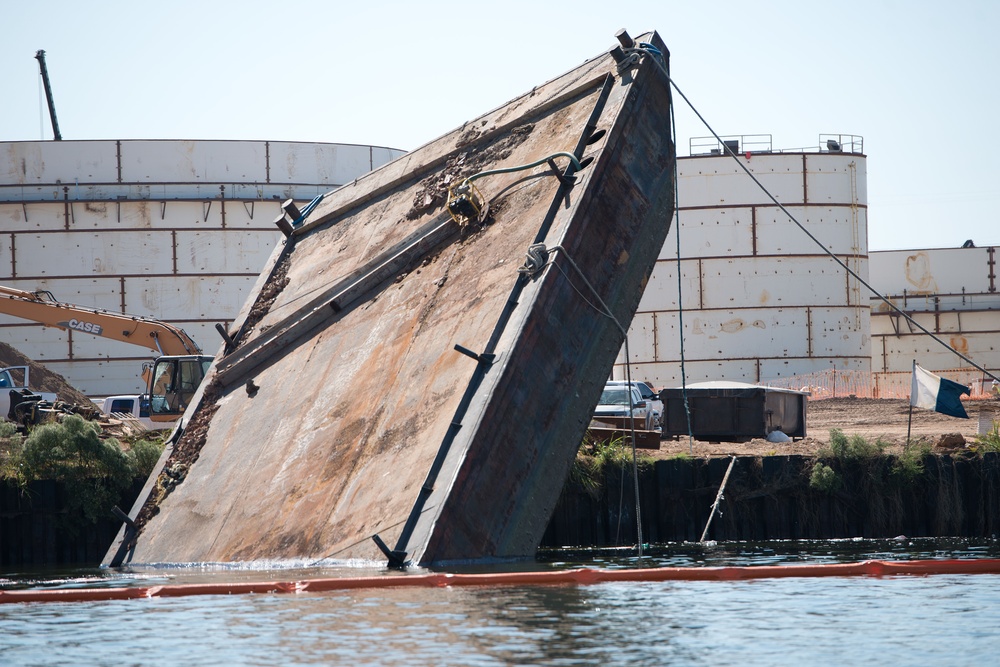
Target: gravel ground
(868,417)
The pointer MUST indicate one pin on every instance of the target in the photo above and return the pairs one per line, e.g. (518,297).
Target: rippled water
(938,620)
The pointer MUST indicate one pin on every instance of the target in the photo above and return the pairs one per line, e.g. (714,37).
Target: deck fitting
(484,358)
(397,559)
(565,179)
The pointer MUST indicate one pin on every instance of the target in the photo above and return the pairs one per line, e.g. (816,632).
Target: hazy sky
(913,78)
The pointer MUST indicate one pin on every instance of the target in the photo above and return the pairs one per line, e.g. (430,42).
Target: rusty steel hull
(398,376)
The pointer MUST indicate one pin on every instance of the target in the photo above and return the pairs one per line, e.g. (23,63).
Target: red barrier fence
(863,384)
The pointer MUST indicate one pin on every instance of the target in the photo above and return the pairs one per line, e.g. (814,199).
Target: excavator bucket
(418,363)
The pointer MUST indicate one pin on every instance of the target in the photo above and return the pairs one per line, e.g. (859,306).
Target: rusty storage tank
(734,411)
(419,360)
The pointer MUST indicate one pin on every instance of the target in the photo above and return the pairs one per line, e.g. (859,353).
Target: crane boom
(40,57)
(42,307)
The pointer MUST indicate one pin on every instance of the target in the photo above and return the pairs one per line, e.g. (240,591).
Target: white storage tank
(176,230)
(953,293)
(761,300)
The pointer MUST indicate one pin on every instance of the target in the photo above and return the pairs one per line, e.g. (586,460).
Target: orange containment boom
(580,576)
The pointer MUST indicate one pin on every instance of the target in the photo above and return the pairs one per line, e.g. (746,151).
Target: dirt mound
(41,378)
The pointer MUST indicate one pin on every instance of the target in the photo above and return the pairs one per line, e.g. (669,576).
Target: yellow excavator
(171,379)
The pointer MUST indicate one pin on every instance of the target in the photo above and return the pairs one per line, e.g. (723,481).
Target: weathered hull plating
(348,412)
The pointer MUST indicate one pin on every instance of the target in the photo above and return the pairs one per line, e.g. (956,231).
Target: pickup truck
(15,378)
(615,402)
(131,406)
(651,398)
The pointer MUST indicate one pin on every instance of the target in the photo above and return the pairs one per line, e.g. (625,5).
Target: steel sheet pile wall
(176,230)
(770,498)
(951,292)
(760,299)
(348,411)
(40,524)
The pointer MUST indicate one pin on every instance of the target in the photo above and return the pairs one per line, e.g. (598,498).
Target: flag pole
(909,419)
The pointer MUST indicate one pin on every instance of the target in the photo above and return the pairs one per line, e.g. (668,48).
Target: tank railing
(739,143)
(832,383)
(841,143)
(763,143)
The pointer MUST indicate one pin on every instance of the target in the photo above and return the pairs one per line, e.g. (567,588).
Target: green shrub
(11,448)
(585,474)
(94,471)
(595,456)
(7,429)
(616,452)
(144,455)
(909,466)
(852,448)
(824,478)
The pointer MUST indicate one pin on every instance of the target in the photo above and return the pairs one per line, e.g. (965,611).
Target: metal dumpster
(734,411)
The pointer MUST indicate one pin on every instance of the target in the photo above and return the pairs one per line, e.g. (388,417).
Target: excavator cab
(173,383)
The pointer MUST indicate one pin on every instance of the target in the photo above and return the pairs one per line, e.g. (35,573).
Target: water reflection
(941,620)
(566,625)
(779,552)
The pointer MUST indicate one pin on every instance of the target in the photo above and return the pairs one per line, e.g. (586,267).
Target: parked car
(651,397)
(615,403)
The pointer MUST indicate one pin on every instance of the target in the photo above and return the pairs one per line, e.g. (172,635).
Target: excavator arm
(171,380)
(42,307)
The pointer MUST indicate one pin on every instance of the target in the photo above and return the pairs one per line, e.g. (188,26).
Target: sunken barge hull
(403,374)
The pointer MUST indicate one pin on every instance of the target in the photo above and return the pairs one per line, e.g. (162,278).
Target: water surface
(905,620)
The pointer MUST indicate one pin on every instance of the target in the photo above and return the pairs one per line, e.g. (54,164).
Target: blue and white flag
(931,392)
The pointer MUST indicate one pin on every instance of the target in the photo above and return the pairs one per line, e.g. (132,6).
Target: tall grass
(596,456)
(987,442)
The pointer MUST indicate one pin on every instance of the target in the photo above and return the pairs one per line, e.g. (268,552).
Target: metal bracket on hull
(128,541)
(565,179)
(484,358)
(397,559)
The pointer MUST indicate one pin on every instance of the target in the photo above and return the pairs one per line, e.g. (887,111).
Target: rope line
(536,259)
(680,291)
(521,167)
(304,213)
